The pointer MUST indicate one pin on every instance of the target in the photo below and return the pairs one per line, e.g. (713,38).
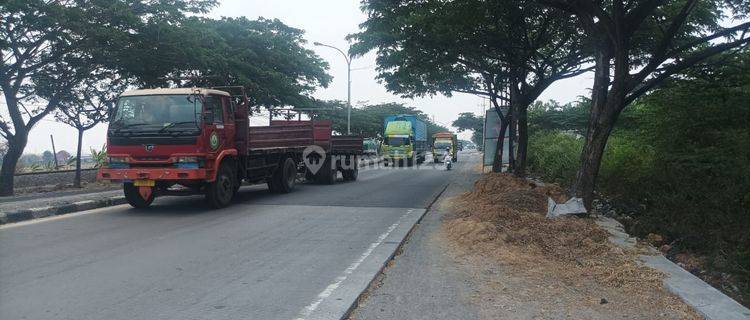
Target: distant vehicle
(441,142)
(371,146)
(197,141)
(405,139)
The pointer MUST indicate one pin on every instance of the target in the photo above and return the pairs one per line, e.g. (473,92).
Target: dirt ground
(528,266)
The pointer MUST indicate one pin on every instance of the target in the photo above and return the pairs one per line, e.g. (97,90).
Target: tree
(637,45)
(265,56)
(47,157)
(48,47)
(89,105)
(368,120)
(507,51)
(3,150)
(468,121)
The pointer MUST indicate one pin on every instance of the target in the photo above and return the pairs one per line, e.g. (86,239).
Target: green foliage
(554,156)
(265,56)
(99,157)
(469,121)
(679,164)
(47,156)
(368,120)
(551,115)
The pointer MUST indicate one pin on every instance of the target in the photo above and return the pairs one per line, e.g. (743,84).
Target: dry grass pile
(505,216)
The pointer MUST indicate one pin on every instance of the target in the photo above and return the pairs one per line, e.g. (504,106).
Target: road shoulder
(422,281)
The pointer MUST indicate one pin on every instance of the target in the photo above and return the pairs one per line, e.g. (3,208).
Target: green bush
(554,156)
(679,165)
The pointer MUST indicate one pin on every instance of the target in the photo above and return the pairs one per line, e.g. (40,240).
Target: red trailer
(188,141)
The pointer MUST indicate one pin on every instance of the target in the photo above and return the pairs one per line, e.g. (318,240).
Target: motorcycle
(448,163)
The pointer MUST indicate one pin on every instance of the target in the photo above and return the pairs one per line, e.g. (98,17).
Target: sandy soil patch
(529,266)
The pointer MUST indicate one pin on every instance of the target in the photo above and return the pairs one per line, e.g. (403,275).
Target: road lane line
(57,217)
(309,309)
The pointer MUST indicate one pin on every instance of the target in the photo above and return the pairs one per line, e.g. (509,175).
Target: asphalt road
(265,257)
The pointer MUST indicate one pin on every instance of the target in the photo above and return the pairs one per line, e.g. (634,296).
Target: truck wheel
(309,176)
(410,162)
(219,192)
(327,173)
(284,178)
(236,187)
(134,197)
(351,174)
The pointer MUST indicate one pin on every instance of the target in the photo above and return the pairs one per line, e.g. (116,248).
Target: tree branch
(682,65)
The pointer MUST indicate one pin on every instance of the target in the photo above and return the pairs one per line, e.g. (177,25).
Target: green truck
(405,139)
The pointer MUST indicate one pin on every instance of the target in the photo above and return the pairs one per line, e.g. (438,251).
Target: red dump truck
(187,141)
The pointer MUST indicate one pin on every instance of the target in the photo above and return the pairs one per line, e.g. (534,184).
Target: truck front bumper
(151,174)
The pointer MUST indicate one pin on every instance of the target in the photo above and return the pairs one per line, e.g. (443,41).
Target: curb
(709,302)
(66,208)
(58,210)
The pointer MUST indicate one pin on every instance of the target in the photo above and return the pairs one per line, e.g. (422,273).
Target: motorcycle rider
(447,158)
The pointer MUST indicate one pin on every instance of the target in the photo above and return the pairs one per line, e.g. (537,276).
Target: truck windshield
(158,110)
(397,141)
(442,145)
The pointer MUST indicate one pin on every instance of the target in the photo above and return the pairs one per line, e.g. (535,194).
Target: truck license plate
(144,183)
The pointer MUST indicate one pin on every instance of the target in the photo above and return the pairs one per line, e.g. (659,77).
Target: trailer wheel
(309,176)
(219,192)
(351,174)
(328,173)
(134,197)
(284,178)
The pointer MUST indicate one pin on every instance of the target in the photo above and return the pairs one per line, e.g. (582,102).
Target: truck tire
(410,162)
(134,197)
(309,176)
(327,173)
(220,192)
(351,174)
(284,178)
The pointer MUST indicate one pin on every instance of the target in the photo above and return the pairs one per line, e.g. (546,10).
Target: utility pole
(54,152)
(348,59)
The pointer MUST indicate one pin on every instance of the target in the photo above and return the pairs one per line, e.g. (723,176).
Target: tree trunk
(591,158)
(606,105)
(77,180)
(513,123)
(497,163)
(16,145)
(523,141)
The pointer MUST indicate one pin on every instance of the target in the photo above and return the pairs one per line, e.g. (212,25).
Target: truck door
(215,130)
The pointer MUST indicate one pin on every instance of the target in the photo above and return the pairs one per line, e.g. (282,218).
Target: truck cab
(404,139)
(444,145)
(161,137)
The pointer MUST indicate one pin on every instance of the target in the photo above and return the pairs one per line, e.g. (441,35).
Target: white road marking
(309,309)
(58,217)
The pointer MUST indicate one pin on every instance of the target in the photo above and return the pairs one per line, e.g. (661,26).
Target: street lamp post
(348,85)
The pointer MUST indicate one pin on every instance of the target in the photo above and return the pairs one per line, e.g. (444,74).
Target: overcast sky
(329,22)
